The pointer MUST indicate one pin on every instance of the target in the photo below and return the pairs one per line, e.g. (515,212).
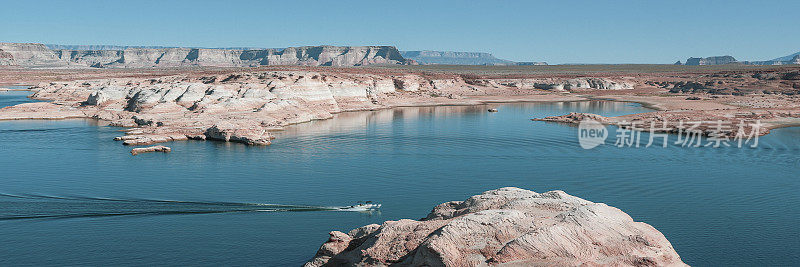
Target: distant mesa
(41,56)
(454,58)
(792,57)
(6,58)
(537,63)
(100,47)
(785,60)
(123,47)
(722,60)
(718,60)
(35,55)
(428,57)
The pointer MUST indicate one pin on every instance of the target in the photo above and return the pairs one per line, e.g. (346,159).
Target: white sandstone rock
(505,227)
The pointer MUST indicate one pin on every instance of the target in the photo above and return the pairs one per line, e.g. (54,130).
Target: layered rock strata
(39,55)
(455,58)
(245,106)
(556,84)
(140,150)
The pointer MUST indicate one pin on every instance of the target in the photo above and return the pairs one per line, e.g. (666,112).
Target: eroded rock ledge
(141,150)
(505,227)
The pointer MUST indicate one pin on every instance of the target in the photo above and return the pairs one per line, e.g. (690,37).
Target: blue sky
(554,31)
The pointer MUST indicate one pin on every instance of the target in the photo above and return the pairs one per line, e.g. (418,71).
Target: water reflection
(349,121)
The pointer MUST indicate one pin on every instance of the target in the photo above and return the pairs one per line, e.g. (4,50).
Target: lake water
(10,98)
(87,201)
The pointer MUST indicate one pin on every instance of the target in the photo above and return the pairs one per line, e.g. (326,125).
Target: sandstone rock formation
(6,58)
(39,55)
(225,131)
(140,150)
(428,57)
(718,60)
(238,105)
(574,117)
(455,58)
(556,84)
(29,55)
(245,106)
(505,227)
(785,60)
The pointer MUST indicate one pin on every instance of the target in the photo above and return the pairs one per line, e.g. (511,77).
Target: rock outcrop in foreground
(509,227)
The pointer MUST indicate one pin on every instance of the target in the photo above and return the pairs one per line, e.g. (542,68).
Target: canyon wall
(40,56)
(29,55)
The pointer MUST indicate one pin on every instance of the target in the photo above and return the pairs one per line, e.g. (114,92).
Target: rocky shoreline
(141,150)
(246,105)
(509,227)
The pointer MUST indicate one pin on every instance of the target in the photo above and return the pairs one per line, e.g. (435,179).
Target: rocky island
(504,227)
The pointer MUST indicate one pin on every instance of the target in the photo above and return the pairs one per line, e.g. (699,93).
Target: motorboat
(367,206)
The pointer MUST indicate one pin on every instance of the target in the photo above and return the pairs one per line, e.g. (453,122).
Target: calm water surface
(89,202)
(10,98)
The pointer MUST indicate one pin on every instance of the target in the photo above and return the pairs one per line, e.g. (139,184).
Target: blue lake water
(10,98)
(95,204)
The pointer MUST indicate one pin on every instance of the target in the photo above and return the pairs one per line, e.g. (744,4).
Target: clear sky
(639,31)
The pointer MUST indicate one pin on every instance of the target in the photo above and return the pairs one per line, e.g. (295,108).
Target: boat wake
(28,207)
